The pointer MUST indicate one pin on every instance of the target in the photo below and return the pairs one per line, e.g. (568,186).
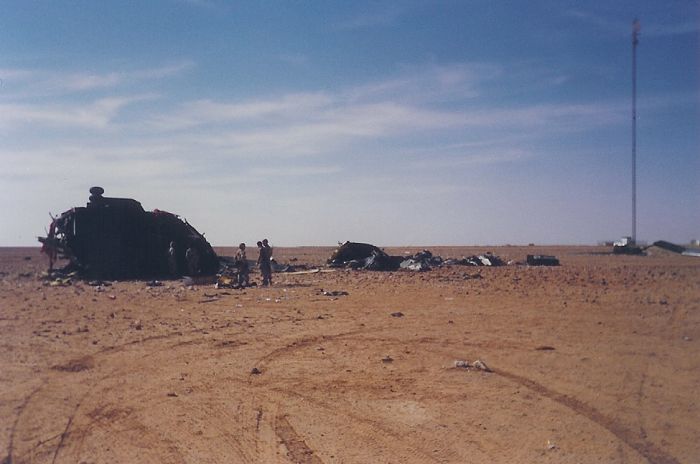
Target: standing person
(264,264)
(172,259)
(243,269)
(267,247)
(49,245)
(192,257)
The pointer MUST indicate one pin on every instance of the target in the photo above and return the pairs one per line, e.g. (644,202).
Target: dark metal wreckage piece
(117,238)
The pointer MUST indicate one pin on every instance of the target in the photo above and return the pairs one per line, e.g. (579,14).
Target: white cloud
(327,129)
(205,112)
(11,74)
(237,145)
(75,159)
(81,82)
(159,72)
(96,115)
(431,83)
(315,123)
(33,83)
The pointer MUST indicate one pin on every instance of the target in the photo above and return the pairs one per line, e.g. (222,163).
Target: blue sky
(395,123)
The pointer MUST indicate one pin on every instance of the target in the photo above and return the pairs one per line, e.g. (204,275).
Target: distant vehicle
(624,241)
(626,246)
(117,238)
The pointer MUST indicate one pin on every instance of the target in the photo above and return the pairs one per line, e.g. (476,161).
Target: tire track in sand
(648,450)
(77,365)
(378,431)
(66,430)
(13,431)
(297,448)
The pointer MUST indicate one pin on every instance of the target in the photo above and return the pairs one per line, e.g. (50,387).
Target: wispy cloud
(554,116)
(204,112)
(456,157)
(430,83)
(415,86)
(294,135)
(80,82)
(383,15)
(23,83)
(294,171)
(327,128)
(80,162)
(300,124)
(96,115)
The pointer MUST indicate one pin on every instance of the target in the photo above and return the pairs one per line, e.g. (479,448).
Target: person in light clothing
(243,269)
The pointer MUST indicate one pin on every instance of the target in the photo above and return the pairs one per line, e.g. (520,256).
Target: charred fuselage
(117,238)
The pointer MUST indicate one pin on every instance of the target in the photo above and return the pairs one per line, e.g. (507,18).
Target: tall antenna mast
(635,40)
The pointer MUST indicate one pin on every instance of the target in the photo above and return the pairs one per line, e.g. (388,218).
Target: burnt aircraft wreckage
(117,238)
(366,256)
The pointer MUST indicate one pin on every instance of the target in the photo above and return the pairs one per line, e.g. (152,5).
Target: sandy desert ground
(594,361)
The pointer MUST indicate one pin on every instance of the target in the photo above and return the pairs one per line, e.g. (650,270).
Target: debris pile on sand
(542,260)
(672,247)
(366,256)
(421,261)
(355,255)
(487,259)
(478,364)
